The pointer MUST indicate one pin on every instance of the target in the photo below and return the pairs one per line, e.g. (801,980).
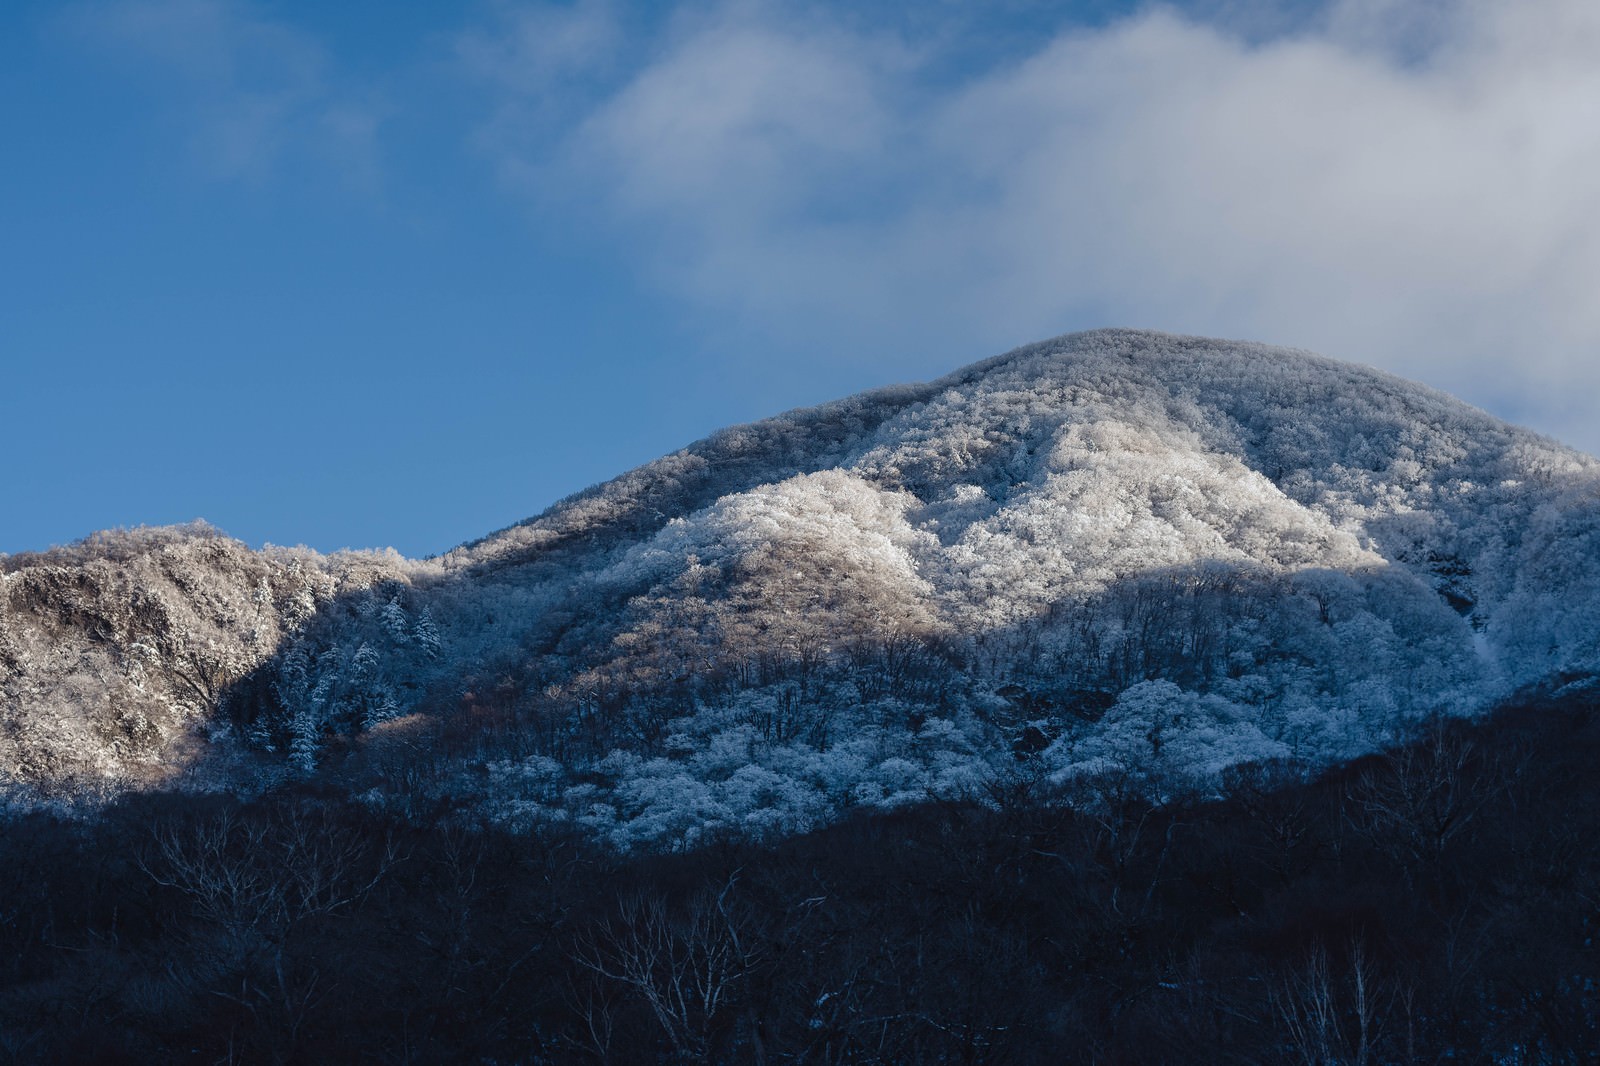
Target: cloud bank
(1415,186)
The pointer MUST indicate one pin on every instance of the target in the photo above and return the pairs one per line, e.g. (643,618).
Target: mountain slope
(1113,551)
(119,654)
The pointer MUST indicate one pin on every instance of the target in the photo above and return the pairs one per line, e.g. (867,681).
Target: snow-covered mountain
(1113,552)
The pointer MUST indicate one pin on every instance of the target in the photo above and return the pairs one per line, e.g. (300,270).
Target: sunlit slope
(1055,470)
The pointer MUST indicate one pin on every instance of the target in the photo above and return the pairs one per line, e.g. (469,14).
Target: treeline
(1435,903)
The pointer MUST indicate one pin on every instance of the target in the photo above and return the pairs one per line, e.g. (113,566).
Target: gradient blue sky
(369,274)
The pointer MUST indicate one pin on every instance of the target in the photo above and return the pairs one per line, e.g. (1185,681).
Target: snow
(1245,553)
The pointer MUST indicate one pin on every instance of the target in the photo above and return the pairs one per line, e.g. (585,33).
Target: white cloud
(535,57)
(531,48)
(255,90)
(1411,185)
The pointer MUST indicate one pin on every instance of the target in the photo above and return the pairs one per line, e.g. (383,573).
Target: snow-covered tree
(395,622)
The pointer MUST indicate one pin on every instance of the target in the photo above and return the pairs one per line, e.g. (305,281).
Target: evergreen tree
(382,709)
(305,731)
(395,621)
(427,634)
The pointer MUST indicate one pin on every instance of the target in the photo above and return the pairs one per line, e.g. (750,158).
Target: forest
(1433,903)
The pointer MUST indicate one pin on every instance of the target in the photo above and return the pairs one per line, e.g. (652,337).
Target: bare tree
(252,881)
(1330,1018)
(1419,798)
(687,964)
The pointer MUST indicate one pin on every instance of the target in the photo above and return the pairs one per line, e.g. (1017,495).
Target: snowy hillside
(118,655)
(1113,552)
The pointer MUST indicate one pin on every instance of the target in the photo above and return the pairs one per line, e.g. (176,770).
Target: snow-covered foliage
(1114,552)
(123,657)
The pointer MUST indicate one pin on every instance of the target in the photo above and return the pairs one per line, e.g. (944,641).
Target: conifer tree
(427,633)
(395,621)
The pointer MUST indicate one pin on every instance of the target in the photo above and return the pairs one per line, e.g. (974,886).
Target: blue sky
(371,274)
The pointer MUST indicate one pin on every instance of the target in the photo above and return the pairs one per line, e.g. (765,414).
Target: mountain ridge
(1285,555)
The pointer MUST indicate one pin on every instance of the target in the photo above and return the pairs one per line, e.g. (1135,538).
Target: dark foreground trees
(1435,904)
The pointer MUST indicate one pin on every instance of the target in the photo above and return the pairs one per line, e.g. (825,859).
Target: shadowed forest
(1435,903)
